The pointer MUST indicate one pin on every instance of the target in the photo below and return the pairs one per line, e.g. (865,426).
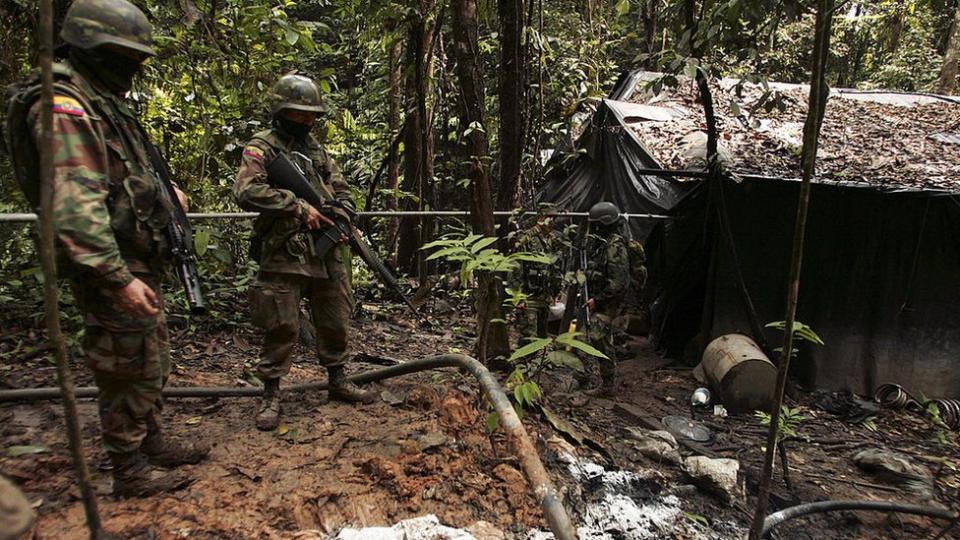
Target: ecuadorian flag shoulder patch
(253,153)
(67,105)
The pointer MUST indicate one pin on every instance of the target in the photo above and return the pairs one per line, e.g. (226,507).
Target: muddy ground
(423,449)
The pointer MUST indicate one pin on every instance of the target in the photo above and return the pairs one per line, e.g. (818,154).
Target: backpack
(638,268)
(16,141)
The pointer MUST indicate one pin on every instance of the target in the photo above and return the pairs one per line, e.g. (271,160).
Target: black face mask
(115,71)
(294,129)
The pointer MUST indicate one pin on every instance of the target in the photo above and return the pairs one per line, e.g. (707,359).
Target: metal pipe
(29,218)
(543,488)
(777,518)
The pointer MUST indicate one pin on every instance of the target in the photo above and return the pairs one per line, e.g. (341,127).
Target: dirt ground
(423,449)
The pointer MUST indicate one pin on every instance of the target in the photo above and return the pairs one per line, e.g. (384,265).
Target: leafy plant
(789,421)
(475,253)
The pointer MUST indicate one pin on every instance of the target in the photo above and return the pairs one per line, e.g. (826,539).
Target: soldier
(608,275)
(16,513)
(282,244)
(110,220)
(540,282)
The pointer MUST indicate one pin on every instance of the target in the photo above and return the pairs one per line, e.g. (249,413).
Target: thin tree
(393,164)
(491,338)
(512,99)
(811,134)
(51,296)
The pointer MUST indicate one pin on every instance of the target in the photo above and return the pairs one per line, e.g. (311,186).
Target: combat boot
(133,476)
(269,416)
(171,452)
(342,390)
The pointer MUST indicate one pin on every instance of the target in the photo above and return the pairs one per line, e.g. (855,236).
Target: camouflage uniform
(541,282)
(608,279)
(289,270)
(110,227)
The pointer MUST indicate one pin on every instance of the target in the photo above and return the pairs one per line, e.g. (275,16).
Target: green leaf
(292,36)
(445,252)
(493,421)
(587,349)
(17,451)
(623,7)
(482,243)
(534,346)
(566,359)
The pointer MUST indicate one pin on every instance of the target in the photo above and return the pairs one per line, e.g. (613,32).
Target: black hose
(540,482)
(777,518)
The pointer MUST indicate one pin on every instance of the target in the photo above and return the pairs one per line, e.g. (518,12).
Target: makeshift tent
(881,273)
(604,166)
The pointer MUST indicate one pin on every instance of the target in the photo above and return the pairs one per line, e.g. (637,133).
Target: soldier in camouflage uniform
(541,282)
(282,244)
(110,232)
(608,275)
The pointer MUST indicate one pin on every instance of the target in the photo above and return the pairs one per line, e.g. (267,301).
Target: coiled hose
(894,396)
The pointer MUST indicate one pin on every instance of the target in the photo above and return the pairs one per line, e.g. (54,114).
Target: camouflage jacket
(109,217)
(285,246)
(535,278)
(608,271)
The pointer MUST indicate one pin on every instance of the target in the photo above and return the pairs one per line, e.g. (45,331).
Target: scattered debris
(897,469)
(627,504)
(420,528)
(715,476)
(681,426)
(656,445)
(848,406)
(700,397)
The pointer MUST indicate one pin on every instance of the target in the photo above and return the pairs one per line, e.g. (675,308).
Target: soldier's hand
(315,219)
(137,298)
(591,303)
(182,197)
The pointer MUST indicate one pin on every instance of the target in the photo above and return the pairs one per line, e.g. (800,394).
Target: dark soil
(331,465)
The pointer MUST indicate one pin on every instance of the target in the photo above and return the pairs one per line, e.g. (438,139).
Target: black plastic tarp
(605,165)
(880,281)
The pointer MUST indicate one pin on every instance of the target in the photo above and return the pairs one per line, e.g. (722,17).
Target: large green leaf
(589,349)
(566,359)
(482,243)
(534,346)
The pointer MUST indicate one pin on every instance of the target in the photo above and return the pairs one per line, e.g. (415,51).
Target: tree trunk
(51,293)
(650,15)
(393,164)
(418,140)
(491,338)
(948,73)
(511,101)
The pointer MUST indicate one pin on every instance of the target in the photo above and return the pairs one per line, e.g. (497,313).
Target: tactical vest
(273,235)
(138,216)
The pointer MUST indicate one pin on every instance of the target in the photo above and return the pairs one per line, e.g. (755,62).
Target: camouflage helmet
(93,23)
(295,92)
(606,213)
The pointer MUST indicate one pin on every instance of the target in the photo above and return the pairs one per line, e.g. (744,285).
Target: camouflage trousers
(275,308)
(532,319)
(130,360)
(600,334)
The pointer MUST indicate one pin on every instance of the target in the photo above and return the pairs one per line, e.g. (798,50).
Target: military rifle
(284,174)
(180,234)
(578,294)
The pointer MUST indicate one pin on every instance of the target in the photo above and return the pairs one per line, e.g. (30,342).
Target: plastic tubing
(777,518)
(543,488)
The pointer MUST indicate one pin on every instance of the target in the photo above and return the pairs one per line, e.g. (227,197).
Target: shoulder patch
(68,105)
(253,153)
